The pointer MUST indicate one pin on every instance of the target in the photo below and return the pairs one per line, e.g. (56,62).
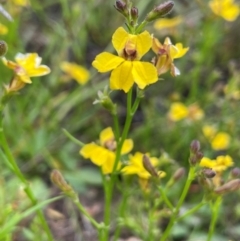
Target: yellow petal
(97,154)
(156,45)
(121,77)
(144,42)
(105,62)
(119,39)
(144,74)
(206,162)
(3,29)
(167,23)
(76,71)
(106,135)
(181,51)
(107,166)
(127,146)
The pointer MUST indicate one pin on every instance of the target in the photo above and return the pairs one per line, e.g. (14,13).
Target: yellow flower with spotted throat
(103,154)
(127,68)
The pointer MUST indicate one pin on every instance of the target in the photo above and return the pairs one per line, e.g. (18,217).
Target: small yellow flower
(220,141)
(136,166)
(75,71)
(104,155)
(225,8)
(3,29)
(178,111)
(166,53)
(219,165)
(209,131)
(167,23)
(127,68)
(22,3)
(26,66)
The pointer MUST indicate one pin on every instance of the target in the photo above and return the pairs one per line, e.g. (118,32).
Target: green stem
(83,210)
(173,219)
(191,211)
(214,216)
(165,198)
(21,177)
(109,184)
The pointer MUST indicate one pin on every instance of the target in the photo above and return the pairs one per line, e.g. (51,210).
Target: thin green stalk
(191,211)
(214,216)
(173,219)
(116,127)
(165,198)
(21,177)
(89,217)
(109,185)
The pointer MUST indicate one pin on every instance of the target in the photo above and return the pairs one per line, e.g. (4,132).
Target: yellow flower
(220,164)
(166,53)
(225,8)
(167,23)
(178,111)
(103,155)
(26,66)
(126,67)
(75,71)
(136,166)
(209,131)
(220,141)
(22,3)
(3,29)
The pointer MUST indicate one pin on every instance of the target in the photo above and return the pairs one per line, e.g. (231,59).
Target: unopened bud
(60,182)
(121,7)
(160,11)
(195,146)
(134,14)
(235,172)
(179,174)
(3,48)
(106,102)
(230,186)
(206,183)
(208,173)
(148,166)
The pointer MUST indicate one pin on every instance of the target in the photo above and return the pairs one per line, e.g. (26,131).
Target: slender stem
(116,127)
(165,198)
(214,216)
(173,219)
(109,184)
(191,211)
(83,210)
(21,177)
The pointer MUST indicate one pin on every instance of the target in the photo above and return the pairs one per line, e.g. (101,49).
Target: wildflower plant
(128,172)
(112,152)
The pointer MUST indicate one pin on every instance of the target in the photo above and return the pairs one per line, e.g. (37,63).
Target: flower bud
(3,48)
(208,173)
(148,166)
(195,146)
(230,186)
(160,11)
(121,7)
(179,174)
(60,182)
(134,14)
(106,102)
(235,172)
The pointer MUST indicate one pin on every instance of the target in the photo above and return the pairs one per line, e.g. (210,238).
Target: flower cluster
(127,68)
